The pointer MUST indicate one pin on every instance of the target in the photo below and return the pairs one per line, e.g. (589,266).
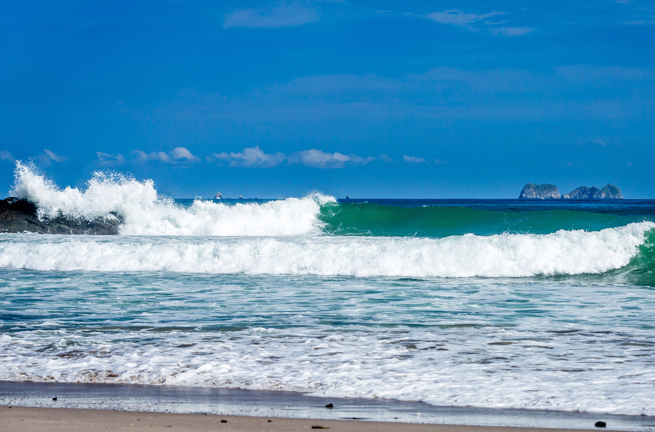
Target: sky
(375,99)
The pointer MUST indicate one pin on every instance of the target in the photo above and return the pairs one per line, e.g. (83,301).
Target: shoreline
(26,419)
(292,407)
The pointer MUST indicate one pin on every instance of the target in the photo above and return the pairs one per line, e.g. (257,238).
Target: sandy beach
(73,420)
(29,406)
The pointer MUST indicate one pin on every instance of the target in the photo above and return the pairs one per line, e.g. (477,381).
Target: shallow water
(463,303)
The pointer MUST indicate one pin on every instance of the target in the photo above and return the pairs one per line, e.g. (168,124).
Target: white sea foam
(507,255)
(146,213)
(520,369)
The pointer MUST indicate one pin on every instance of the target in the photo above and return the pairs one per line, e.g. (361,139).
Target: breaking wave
(144,212)
(315,235)
(505,255)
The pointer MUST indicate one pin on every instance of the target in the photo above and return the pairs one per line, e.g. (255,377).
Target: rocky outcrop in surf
(535,191)
(546,191)
(20,215)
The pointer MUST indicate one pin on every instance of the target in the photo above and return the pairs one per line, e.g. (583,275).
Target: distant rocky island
(549,192)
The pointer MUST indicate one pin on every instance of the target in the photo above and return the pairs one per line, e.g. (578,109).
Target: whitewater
(489,303)
(109,195)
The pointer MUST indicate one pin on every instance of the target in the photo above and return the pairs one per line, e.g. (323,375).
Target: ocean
(482,303)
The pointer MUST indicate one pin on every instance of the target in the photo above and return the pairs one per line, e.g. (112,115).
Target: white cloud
(176,155)
(110,159)
(252,157)
(54,156)
(320,159)
(511,31)
(384,158)
(282,14)
(255,157)
(459,18)
(158,156)
(183,153)
(5,155)
(413,159)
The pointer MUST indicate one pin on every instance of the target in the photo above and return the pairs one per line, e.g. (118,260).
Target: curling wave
(146,213)
(507,255)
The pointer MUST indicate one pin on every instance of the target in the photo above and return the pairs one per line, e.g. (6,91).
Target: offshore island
(551,192)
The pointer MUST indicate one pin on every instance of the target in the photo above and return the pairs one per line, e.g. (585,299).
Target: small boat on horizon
(218,196)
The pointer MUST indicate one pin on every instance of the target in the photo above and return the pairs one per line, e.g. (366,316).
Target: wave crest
(508,255)
(146,213)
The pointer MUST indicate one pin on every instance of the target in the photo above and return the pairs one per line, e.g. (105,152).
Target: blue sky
(371,98)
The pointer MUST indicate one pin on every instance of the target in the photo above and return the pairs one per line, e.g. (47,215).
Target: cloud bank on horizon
(253,157)
(382,92)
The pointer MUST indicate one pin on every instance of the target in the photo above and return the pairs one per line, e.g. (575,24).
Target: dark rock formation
(19,215)
(583,193)
(612,192)
(545,191)
(593,193)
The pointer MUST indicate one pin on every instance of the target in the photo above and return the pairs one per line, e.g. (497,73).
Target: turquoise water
(441,218)
(484,303)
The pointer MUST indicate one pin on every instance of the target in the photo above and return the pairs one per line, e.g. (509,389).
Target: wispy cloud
(252,157)
(320,159)
(5,155)
(444,93)
(459,18)
(54,156)
(604,74)
(110,159)
(282,14)
(511,31)
(600,142)
(475,21)
(48,157)
(179,154)
(413,159)
(384,158)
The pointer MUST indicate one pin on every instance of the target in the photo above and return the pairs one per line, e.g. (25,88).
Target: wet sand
(68,406)
(26,419)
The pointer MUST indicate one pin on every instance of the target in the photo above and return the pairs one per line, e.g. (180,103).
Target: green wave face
(433,221)
(437,222)
(641,270)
